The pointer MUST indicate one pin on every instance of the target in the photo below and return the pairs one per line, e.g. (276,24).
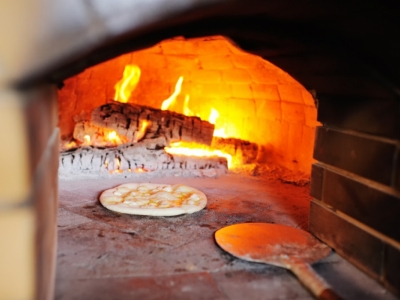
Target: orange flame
(186,110)
(114,138)
(218,131)
(123,91)
(125,87)
(194,149)
(142,130)
(212,117)
(169,101)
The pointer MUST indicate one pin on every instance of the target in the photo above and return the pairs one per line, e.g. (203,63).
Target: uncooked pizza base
(152,199)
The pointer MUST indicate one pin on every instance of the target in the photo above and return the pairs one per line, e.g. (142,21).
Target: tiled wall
(356,183)
(28,192)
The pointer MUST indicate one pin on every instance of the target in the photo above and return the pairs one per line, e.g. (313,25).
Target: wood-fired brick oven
(261,114)
(344,52)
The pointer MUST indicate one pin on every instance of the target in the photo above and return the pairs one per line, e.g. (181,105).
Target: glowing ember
(194,149)
(87,140)
(117,166)
(69,145)
(125,87)
(219,132)
(142,131)
(113,137)
(168,102)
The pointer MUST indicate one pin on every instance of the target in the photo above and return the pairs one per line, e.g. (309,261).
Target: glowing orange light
(87,140)
(69,145)
(125,87)
(116,171)
(194,149)
(214,115)
(113,137)
(142,130)
(220,132)
(169,101)
(186,110)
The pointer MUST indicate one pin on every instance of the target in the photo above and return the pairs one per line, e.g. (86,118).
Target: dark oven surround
(350,66)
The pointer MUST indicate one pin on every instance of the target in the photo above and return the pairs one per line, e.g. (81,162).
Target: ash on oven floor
(107,255)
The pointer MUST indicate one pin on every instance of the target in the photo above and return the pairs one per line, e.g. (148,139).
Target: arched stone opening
(255,101)
(346,52)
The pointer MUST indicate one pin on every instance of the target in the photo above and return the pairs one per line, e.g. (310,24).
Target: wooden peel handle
(312,281)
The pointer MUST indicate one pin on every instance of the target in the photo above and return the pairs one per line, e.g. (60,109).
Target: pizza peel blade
(278,245)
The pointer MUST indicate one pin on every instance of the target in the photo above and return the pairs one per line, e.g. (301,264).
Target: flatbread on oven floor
(152,199)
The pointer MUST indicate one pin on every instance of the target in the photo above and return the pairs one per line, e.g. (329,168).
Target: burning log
(244,152)
(144,156)
(132,123)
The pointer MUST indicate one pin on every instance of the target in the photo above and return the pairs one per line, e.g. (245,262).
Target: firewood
(147,154)
(135,122)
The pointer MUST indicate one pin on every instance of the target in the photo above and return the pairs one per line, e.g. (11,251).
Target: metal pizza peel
(281,246)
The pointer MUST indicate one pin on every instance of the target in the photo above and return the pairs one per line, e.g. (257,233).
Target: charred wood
(146,155)
(134,122)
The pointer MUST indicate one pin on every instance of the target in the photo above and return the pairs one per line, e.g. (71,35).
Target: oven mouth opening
(353,200)
(198,107)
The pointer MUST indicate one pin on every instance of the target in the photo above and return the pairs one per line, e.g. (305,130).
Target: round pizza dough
(152,199)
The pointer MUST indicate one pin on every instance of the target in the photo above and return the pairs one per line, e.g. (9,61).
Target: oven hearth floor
(106,255)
